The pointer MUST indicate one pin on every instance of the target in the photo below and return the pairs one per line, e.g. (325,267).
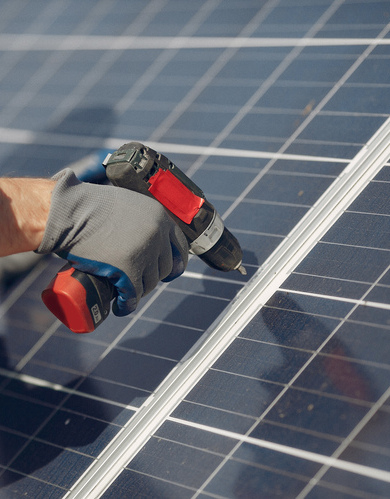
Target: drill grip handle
(79,300)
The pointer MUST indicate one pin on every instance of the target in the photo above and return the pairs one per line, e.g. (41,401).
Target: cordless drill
(82,301)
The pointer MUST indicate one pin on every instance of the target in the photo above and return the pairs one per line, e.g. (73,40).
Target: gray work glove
(115,233)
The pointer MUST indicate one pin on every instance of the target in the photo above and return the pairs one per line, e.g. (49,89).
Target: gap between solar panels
(158,407)
(61,43)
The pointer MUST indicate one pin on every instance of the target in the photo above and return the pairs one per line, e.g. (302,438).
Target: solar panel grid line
(330,206)
(34,381)
(331,278)
(31,42)
(330,243)
(366,303)
(25,137)
(299,453)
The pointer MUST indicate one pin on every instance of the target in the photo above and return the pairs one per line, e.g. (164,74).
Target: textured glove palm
(115,233)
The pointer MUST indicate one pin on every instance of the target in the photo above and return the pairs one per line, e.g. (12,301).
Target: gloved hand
(115,233)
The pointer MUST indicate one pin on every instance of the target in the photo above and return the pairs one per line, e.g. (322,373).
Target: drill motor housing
(139,168)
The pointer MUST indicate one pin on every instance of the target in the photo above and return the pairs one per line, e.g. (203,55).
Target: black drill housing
(131,167)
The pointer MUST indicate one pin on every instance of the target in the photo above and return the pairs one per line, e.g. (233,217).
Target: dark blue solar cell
(268,218)
(78,432)
(167,340)
(372,433)
(359,100)
(316,69)
(242,70)
(195,437)
(371,315)
(342,128)
(385,279)
(323,148)
(302,96)
(324,285)
(291,328)
(384,174)
(130,483)
(373,13)
(34,393)
(362,342)
(331,168)
(10,445)
(51,464)
(110,391)
(15,411)
(267,124)
(375,199)
(262,361)
(185,309)
(358,485)
(159,458)
(220,92)
(379,295)
(233,393)
(239,479)
(360,229)
(295,189)
(310,304)
(15,485)
(372,70)
(294,437)
(277,461)
(220,182)
(343,262)
(315,412)
(133,369)
(215,418)
(340,375)
(213,284)
(70,353)
(95,408)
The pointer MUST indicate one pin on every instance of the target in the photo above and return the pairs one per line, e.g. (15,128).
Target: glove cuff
(72,205)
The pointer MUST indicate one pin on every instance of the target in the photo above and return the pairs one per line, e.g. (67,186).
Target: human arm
(103,230)
(24,210)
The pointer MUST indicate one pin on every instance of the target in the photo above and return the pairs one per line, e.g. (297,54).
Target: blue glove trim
(126,301)
(93,170)
(178,265)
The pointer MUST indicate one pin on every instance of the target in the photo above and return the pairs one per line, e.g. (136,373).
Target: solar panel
(218,385)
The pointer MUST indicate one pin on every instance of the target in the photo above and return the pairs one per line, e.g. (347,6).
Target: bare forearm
(24,209)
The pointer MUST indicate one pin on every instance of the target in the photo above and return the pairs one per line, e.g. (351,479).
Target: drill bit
(241,269)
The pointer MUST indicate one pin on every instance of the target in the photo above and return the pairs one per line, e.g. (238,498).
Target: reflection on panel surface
(306,373)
